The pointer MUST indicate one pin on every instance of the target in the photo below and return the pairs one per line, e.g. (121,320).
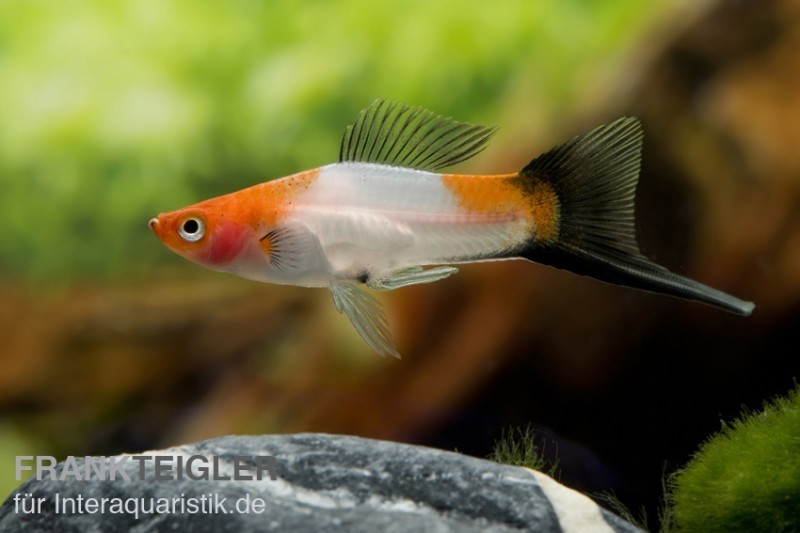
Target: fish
(384,216)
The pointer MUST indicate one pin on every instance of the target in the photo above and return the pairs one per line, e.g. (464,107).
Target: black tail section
(594,176)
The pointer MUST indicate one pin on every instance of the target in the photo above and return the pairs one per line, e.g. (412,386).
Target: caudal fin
(594,178)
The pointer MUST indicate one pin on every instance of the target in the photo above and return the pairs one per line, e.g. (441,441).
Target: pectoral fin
(290,247)
(410,276)
(366,314)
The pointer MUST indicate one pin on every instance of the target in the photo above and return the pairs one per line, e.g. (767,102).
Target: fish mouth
(153,225)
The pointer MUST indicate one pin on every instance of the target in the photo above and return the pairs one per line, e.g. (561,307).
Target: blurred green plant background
(114,111)
(111,112)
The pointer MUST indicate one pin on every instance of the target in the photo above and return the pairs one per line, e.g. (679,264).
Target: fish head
(203,233)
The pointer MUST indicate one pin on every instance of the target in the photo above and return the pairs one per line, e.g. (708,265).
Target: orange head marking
(200,235)
(215,232)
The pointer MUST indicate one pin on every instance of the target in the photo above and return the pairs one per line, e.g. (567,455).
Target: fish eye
(192,229)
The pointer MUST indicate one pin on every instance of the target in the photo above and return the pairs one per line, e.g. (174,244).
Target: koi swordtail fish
(382,213)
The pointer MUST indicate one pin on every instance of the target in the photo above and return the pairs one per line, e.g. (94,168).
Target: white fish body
(370,220)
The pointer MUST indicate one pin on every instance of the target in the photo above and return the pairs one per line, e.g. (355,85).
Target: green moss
(747,477)
(517,447)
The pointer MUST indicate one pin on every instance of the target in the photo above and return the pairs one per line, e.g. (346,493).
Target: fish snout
(153,225)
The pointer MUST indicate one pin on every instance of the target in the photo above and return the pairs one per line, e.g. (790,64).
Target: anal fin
(366,314)
(410,276)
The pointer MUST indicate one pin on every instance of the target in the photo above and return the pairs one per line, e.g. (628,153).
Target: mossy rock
(747,477)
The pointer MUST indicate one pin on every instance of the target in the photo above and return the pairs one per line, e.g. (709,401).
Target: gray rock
(324,483)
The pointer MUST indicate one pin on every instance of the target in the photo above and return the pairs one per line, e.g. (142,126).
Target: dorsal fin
(391,133)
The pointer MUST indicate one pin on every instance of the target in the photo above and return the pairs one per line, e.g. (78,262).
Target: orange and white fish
(382,213)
